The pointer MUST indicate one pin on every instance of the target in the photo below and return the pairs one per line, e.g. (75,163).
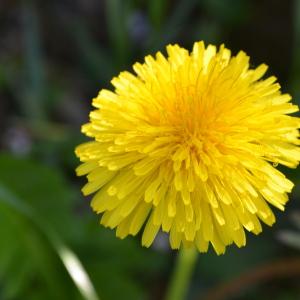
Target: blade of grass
(92,56)
(31,98)
(157,10)
(117,29)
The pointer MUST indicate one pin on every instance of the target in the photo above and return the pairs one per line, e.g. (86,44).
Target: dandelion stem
(180,279)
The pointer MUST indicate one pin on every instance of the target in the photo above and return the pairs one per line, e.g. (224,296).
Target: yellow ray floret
(189,145)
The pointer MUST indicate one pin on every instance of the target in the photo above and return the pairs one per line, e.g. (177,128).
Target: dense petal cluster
(189,144)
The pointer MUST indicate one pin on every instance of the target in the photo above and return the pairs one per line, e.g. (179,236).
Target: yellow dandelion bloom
(189,145)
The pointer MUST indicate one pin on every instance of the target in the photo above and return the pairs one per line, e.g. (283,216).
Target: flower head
(189,144)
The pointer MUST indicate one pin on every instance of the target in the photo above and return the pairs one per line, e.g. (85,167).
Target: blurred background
(54,58)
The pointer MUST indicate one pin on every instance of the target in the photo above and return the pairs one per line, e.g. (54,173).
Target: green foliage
(42,188)
(116,12)
(29,255)
(37,211)
(228,11)
(157,10)
(94,58)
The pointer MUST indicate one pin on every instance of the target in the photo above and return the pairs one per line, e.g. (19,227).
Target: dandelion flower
(189,145)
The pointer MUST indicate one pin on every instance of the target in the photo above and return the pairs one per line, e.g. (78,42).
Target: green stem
(179,284)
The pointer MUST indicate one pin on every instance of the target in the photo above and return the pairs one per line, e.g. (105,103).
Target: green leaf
(41,204)
(41,187)
(45,252)
(26,244)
